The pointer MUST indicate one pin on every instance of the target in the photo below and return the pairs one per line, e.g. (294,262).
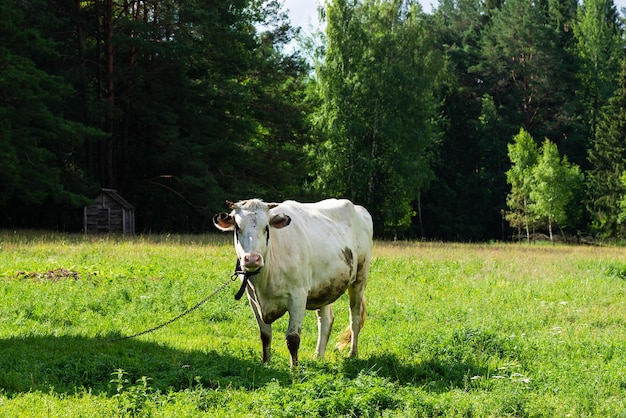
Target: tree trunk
(109,95)
(88,150)
(419,214)
(526,222)
(550,230)
(132,12)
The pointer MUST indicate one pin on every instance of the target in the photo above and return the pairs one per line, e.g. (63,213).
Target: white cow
(296,256)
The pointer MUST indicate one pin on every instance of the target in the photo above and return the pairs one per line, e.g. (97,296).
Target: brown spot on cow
(266,341)
(293,344)
(327,294)
(348,257)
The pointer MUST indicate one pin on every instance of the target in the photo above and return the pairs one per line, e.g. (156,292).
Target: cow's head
(251,220)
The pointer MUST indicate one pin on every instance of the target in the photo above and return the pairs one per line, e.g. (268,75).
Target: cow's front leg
(296,317)
(266,341)
(264,329)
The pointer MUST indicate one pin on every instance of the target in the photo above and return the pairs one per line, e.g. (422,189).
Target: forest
(480,120)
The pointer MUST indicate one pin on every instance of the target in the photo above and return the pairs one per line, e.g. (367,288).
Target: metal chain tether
(188,311)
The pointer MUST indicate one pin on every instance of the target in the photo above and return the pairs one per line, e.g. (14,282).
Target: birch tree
(375,85)
(554,181)
(524,154)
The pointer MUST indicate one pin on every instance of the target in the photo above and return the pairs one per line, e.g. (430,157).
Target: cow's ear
(223,221)
(280,221)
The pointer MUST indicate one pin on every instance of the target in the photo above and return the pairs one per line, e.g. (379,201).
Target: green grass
(452,330)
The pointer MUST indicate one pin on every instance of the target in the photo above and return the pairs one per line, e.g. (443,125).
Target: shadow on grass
(435,375)
(69,364)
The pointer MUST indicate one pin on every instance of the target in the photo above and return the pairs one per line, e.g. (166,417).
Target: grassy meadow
(465,330)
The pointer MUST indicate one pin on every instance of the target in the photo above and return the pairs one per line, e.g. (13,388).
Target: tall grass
(452,330)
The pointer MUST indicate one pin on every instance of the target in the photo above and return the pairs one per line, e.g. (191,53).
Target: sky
(303,13)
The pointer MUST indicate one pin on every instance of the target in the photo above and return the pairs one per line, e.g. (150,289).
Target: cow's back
(321,230)
(356,220)
(330,213)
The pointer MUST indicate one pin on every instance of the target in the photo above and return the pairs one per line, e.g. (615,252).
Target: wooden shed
(110,212)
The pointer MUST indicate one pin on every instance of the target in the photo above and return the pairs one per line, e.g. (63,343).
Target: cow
(295,256)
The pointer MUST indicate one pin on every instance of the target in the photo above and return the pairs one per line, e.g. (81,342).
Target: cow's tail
(345,338)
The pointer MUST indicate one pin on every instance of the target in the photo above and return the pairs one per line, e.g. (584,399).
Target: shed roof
(112,193)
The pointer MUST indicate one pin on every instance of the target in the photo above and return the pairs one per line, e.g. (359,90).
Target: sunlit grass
(452,330)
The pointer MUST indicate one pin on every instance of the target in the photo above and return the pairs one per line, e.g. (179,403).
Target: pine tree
(608,159)
(525,63)
(599,47)
(464,200)
(41,181)
(188,86)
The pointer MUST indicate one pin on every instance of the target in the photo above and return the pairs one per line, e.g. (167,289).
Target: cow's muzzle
(252,261)
(246,276)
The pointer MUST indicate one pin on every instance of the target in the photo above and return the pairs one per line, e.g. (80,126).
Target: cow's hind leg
(325,320)
(357,314)
(264,329)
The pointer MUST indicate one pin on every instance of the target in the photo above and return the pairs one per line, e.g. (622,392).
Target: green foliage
(543,185)
(555,180)
(464,199)
(598,45)
(524,156)
(528,65)
(321,393)
(621,203)
(132,401)
(194,98)
(37,142)
(180,105)
(376,108)
(230,110)
(607,156)
(520,65)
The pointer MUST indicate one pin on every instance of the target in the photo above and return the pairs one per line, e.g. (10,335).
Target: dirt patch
(51,275)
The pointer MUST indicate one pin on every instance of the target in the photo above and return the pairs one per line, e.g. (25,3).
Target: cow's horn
(272,205)
(230,204)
